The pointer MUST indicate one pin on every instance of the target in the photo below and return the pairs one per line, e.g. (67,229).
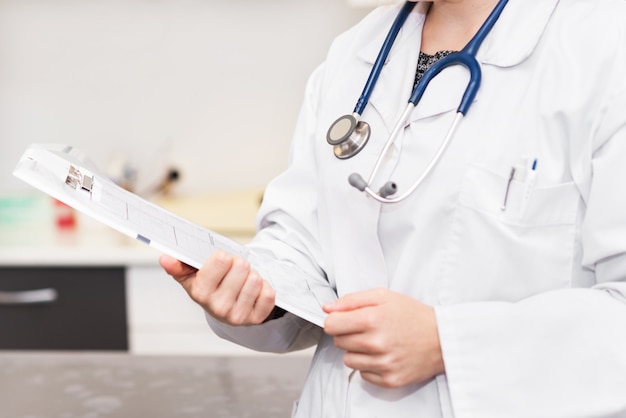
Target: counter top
(69,385)
(32,238)
(86,245)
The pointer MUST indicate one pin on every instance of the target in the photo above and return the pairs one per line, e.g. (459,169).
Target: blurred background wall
(212,87)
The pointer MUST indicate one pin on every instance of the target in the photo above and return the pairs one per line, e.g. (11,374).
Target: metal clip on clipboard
(76,179)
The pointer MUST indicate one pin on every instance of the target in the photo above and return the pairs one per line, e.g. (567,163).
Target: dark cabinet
(63,308)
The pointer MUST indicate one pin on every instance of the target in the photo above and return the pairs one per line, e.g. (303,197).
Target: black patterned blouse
(425,61)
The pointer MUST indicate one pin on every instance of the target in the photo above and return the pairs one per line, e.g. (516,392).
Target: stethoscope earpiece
(388,189)
(359,183)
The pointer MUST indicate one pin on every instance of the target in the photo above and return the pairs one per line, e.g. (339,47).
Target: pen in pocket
(529,184)
(525,173)
(508,187)
(530,180)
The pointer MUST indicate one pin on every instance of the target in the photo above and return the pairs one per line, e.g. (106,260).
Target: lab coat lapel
(512,40)
(358,262)
(362,262)
(517,32)
(393,88)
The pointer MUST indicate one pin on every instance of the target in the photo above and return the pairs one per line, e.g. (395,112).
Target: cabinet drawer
(80,309)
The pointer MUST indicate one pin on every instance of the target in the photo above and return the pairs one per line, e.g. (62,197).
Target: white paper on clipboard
(64,173)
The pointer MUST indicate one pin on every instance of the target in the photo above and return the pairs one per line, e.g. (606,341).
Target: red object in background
(64,215)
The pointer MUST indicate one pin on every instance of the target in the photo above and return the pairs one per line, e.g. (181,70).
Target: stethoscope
(348,134)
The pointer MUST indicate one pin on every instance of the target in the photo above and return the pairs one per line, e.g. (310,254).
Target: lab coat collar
(512,40)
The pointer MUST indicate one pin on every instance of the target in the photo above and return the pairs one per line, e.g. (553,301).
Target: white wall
(187,82)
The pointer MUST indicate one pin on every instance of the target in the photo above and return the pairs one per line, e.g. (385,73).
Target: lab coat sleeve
(287,231)
(560,353)
(285,334)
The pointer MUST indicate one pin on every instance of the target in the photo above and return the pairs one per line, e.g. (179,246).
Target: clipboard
(66,174)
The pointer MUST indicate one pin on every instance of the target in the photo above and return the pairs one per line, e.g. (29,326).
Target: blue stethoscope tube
(382,57)
(347,140)
(465,57)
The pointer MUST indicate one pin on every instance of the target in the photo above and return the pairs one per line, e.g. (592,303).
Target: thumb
(177,269)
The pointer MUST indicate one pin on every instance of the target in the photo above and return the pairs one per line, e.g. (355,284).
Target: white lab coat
(530,301)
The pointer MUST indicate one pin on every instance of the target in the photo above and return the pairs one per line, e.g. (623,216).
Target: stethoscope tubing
(456,58)
(390,141)
(465,57)
(433,162)
(382,57)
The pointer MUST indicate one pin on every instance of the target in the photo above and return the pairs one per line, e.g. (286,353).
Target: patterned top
(425,61)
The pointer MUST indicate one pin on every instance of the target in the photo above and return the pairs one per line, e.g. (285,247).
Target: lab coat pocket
(509,252)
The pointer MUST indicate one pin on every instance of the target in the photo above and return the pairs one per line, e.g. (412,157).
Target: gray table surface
(111,385)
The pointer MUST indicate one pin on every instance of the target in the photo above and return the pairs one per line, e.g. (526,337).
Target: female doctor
(498,287)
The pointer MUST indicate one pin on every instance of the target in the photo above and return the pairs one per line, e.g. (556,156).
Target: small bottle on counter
(64,215)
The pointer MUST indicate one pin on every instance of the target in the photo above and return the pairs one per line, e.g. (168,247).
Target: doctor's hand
(226,288)
(390,338)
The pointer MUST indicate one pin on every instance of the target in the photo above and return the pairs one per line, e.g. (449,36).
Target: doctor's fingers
(366,343)
(219,280)
(175,268)
(231,292)
(373,369)
(352,322)
(254,302)
(389,369)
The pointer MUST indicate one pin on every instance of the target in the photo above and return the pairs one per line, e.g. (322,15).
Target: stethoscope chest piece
(348,136)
